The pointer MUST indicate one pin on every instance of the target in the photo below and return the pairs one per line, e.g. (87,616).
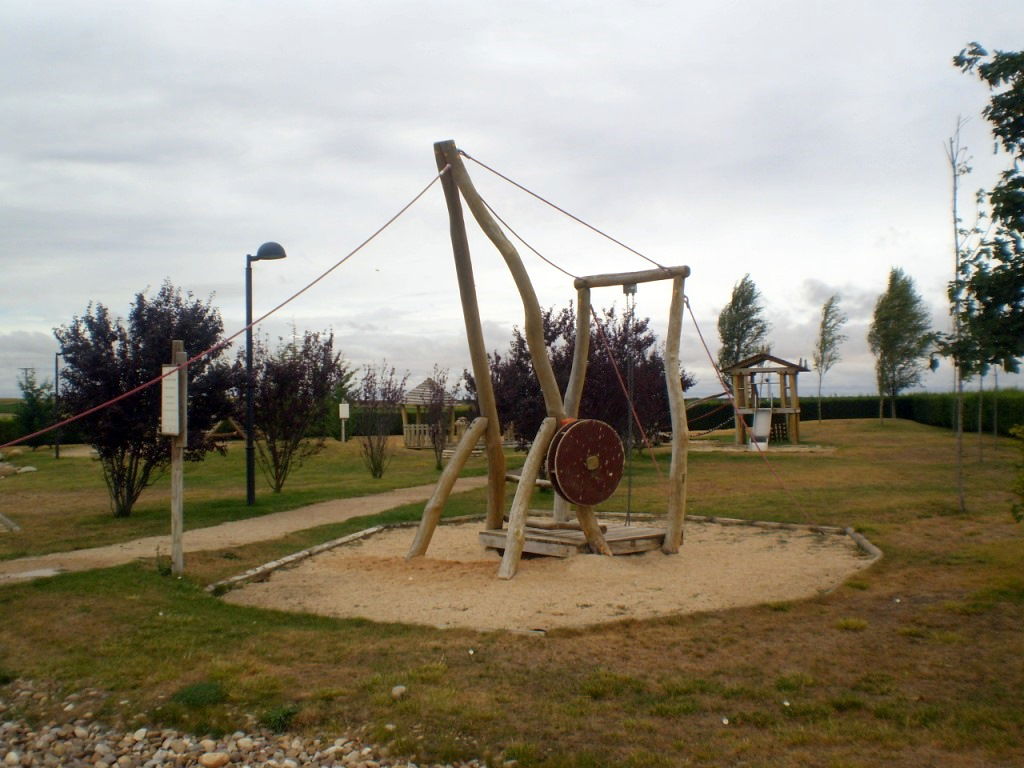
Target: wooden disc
(584,462)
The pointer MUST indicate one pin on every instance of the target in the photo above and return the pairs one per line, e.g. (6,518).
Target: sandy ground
(456,584)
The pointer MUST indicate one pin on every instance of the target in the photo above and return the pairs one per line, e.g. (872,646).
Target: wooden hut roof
(423,394)
(764,360)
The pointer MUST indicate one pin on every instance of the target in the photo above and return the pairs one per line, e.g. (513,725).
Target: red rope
(221,344)
(625,391)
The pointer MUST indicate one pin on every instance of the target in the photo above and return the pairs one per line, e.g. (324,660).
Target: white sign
(342,410)
(170,423)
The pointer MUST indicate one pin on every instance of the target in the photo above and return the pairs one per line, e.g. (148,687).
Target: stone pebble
(81,741)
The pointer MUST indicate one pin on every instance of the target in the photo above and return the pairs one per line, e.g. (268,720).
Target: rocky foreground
(78,740)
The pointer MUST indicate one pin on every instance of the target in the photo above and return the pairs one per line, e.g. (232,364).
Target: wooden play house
(765,381)
(419,399)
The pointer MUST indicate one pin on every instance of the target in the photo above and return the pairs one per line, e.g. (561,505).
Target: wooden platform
(622,539)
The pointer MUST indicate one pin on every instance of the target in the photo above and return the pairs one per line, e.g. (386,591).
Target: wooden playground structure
(583,457)
(782,398)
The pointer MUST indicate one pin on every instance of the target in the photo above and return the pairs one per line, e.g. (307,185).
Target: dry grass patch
(935,676)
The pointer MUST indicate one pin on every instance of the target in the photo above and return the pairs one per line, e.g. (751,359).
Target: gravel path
(232,534)
(77,740)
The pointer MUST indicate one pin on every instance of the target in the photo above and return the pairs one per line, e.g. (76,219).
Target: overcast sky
(800,142)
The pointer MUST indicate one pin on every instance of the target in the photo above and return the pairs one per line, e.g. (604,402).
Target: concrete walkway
(233,534)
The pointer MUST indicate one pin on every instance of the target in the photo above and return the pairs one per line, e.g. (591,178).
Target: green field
(918,661)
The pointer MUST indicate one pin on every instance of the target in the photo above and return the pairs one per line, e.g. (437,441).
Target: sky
(801,142)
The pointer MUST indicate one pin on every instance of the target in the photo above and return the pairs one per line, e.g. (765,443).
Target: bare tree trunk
(819,397)
(981,390)
(959,426)
(995,403)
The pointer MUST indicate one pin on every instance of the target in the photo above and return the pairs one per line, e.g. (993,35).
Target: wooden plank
(629,278)
(622,540)
(636,546)
(495,540)
(540,482)
(546,523)
(178,443)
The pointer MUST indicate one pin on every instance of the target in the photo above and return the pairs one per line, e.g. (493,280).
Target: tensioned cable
(560,210)
(625,390)
(220,345)
(597,322)
(521,240)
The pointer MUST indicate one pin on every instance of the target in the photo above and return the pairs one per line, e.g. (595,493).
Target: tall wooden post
(577,377)
(680,429)
(178,442)
(443,152)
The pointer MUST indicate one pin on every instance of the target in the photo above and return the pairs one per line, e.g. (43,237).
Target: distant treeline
(1003,410)
(936,409)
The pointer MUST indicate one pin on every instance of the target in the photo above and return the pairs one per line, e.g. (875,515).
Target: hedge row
(1002,410)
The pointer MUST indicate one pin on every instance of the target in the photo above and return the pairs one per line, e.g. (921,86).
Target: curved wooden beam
(516,536)
(533,321)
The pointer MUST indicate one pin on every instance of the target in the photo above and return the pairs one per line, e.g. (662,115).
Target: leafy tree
(741,325)
(826,348)
(619,339)
(993,277)
(36,410)
(439,412)
(900,338)
(292,392)
(105,358)
(380,395)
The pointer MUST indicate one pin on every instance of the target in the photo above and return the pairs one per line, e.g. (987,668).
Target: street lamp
(56,402)
(266,252)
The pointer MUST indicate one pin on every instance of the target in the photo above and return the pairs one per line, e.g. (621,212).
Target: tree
(826,348)
(105,358)
(36,410)
(292,392)
(741,325)
(439,412)
(993,276)
(380,395)
(900,338)
(616,342)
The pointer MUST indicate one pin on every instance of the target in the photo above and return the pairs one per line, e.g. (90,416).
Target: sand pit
(455,585)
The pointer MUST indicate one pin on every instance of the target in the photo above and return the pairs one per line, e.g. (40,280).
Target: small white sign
(342,410)
(170,423)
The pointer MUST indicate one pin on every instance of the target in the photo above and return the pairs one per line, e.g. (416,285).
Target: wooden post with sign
(174,423)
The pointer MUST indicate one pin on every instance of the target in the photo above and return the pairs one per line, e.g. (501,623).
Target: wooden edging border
(261,572)
(859,539)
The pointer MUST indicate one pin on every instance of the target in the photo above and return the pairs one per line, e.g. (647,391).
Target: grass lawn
(65,505)
(918,661)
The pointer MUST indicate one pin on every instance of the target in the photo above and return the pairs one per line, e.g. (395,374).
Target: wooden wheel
(584,462)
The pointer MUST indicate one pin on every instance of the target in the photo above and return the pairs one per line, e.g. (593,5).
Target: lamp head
(268,252)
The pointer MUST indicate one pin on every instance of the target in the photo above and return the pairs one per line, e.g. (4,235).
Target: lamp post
(266,252)
(56,402)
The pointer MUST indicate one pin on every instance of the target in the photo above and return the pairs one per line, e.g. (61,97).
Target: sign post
(343,414)
(174,423)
